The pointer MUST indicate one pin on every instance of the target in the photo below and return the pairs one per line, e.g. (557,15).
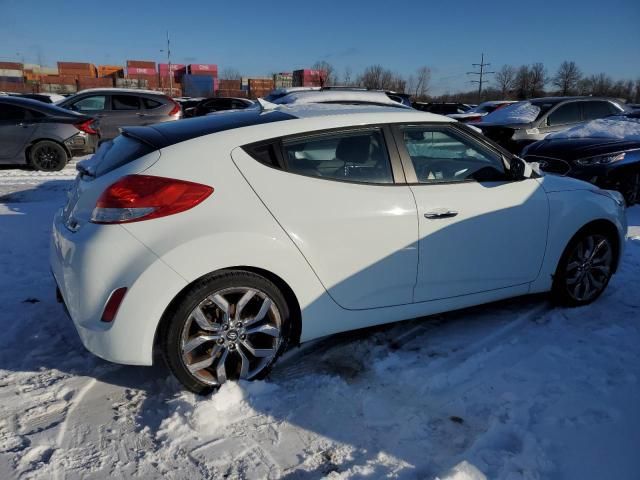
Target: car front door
(478,230)
(16,129)
(334,195)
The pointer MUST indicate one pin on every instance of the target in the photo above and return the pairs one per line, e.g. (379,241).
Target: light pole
(169,63)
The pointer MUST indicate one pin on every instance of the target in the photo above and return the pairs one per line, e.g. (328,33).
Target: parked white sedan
(222,240)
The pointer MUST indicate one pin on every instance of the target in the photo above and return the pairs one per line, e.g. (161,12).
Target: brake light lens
(87,127)
(113,304)
(134,198)
(176,110)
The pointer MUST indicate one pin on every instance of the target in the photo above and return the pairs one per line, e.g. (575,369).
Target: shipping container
(229,84)
(110,70)
(197,85)
(202,69)
(10,79)
(141,64)
(7,72)
(231,93)
(308,78)
(58,88)
(63,79)
(283,80)
(106,82)
(140,71)
(11,66)
(131,83)
(164,67)
(77,68)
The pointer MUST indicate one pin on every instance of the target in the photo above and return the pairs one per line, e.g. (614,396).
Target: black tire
(563,290)
(176,319)
(48,156)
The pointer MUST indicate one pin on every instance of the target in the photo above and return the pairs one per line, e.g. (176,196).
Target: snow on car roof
(619,128)
(520,112)
(311,110)
(122,90)
(339,96)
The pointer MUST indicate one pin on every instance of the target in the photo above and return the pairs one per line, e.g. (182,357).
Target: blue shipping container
(12,79)
(197,85)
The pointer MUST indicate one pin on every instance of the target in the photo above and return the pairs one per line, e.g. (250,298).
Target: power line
(480,74)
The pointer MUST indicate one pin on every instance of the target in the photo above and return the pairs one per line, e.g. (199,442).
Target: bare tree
(506,80)
(567,78)
(327,75)
(230,74)
(347,76)
(522,82)
(422,79)
(537,79)
(372,77)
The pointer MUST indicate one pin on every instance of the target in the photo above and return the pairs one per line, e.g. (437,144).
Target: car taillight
(113,304)
(176,109)
(87,127)
(134,198)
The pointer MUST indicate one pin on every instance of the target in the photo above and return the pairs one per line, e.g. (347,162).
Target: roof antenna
(264,105)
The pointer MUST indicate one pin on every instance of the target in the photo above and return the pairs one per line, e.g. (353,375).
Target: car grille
(551,165)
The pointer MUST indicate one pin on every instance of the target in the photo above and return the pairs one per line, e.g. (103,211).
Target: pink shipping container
(164,67)
(203,68)
(140,71)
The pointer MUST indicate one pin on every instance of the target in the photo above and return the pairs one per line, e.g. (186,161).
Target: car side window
(94,103)
(597,109)
(150,104)
(440,155)
(125,102)
(565,114)
(358,156)
(11,113)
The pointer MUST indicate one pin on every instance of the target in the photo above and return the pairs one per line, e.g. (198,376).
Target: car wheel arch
(27,150)
(602,225)
(287,291)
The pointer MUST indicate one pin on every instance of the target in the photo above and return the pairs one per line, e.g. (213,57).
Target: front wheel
(48,156)
(585,269)
(231,325)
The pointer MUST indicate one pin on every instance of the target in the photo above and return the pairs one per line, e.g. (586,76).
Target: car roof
(108,90)
(165,134)
(339,96)
(562,99)
(46,108)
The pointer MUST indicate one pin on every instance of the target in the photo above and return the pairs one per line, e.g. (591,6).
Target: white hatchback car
(221,240)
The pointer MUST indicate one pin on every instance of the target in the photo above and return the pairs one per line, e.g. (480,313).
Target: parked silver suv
(522,123)
(119,107)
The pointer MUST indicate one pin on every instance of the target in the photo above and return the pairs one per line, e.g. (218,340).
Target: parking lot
(515,389)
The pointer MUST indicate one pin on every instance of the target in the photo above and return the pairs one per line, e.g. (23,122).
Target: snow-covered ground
(514,390)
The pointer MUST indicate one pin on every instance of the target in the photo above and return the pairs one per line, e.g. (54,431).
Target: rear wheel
(585,268)
(48,156)
(231,325)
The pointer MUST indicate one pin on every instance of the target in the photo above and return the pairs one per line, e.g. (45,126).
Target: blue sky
(258,38)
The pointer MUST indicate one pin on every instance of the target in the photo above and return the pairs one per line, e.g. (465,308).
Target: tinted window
(444,156)
(350,156)
(125,102)
(89,104)
(265,153)
(238,104)
(567,113)
(11,113)
(150,104)
(593,110)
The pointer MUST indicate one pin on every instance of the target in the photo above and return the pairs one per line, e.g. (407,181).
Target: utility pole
(169,63)
(480,74)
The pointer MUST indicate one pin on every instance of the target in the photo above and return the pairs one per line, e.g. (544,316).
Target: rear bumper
(82,144)
(88,265)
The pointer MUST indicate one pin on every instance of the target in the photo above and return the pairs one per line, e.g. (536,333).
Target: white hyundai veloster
(221,240)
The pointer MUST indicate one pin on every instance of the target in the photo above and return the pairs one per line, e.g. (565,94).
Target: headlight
(612,194)
(601,159)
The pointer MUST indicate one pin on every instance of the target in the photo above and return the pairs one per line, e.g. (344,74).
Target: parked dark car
(605,153)
(42,135)
(443,108)
(120,107)
(217,104)
(522,123)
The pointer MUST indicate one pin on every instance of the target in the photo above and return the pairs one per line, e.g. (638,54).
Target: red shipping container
(141,64)
(140,71)
(205,68)
(164,67)
(10,66)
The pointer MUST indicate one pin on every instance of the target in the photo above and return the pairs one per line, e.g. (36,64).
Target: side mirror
(519,169)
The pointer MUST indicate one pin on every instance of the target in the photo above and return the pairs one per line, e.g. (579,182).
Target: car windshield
(520,112)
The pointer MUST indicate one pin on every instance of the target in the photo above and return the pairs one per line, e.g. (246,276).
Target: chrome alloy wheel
(233,333)
(589,267)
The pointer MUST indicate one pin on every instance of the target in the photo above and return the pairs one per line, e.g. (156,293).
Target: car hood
(556,183)
(575,148)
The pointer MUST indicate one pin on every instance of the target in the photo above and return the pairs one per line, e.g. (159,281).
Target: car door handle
(440,213)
